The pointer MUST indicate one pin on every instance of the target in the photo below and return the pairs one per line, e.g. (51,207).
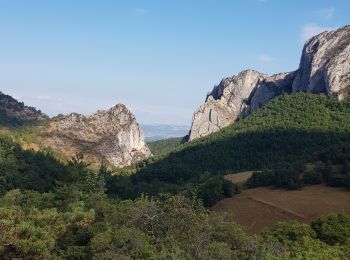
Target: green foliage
(75,219)
(52,210)
(299,242)
(26,169)
(334,229)
(289,176)
(211,189)
(93,227)
(38,226)
(282,136)
(164,146)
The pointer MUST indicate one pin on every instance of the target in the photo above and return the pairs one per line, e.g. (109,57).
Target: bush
(334,229)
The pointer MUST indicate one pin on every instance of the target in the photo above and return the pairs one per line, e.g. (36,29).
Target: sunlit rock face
(325,64)
(111,134)
(235,96)
(324,68)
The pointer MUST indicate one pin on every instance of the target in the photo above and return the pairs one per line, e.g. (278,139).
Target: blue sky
(158,57)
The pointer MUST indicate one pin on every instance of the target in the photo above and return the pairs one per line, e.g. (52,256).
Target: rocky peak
(324,68)
(111,134)
(235,96)
(325,64)
(13,112)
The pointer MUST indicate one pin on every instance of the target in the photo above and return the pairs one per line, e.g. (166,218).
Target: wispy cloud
(326,13)
(311,29)
(266,58)
(139,11)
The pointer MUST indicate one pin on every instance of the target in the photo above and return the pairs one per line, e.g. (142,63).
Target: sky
(160,58)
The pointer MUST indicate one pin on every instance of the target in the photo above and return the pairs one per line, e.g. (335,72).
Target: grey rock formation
(111,134)
(325,64)
(14,112)
(324,68)
(235,96)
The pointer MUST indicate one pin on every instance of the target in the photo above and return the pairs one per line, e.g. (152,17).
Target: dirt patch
(239,178)
(258,208)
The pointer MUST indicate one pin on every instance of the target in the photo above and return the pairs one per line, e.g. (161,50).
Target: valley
(263,172)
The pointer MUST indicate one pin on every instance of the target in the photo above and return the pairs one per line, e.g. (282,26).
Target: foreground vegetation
(75,219)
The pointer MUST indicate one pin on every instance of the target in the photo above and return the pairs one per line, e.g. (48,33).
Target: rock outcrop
(324,68)
(236,96)
(13,112)
(111,134)
(325,64)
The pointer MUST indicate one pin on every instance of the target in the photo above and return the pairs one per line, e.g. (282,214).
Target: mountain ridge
(14,113)
(323,68)
(112,135)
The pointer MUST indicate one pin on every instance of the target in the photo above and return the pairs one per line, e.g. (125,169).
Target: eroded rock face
(325,64)
(235,96)
(324,68)
(110,134)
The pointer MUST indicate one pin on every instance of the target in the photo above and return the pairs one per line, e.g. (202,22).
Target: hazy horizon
(158,58)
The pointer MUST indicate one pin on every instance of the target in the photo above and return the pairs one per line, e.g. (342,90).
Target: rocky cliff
(324,68)
(13,112)
(325,64)
(111,134)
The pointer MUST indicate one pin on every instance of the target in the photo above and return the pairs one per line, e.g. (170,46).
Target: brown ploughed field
(262,207)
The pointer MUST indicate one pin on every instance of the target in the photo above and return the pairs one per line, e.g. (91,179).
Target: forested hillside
(65,213)
(164,146)
(290,129)
(55,210)
(14,113)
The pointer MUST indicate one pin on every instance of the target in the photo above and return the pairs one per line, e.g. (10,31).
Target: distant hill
(164,146)
(15,113)
(154,132)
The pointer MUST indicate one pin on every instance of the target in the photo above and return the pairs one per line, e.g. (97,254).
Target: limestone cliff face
(111,134)
(235,96)
(325,64)
(324,68)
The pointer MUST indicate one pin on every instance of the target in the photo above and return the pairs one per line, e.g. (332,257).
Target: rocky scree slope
(324,68)
(111,134)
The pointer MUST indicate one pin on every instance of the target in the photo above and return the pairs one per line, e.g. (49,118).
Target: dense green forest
(68,215)
(290,130)
(25,169)
(160,147)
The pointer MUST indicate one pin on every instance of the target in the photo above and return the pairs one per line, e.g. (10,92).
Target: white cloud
(139,11)
(326,13)
(309,30)
(266,58)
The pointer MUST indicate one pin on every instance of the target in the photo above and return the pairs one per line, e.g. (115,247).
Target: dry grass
(258,208)
(239,178)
